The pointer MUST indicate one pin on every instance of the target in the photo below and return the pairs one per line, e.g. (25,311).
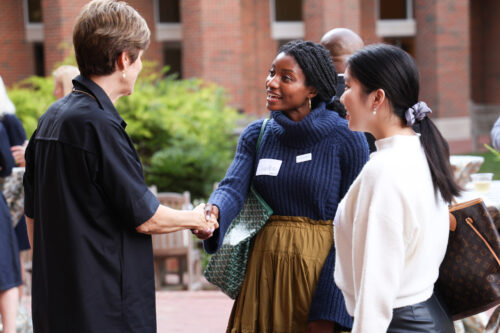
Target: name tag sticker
(304,158)
(268,167)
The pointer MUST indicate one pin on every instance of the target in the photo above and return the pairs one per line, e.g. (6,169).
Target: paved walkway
(187,311)
(192,311)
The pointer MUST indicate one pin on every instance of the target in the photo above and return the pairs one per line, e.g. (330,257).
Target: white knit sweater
(391,233)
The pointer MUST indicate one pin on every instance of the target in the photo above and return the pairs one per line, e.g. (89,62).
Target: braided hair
(318,68)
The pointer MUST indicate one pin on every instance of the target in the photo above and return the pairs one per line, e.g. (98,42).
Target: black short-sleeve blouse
(84,187)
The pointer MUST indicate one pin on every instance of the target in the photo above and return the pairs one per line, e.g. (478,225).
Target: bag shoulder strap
(261,134)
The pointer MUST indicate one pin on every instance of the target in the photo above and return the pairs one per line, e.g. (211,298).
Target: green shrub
(183,129)
(32,97)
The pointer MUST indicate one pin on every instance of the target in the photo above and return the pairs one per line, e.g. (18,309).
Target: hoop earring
(374,111)
(123,74)
(310,106)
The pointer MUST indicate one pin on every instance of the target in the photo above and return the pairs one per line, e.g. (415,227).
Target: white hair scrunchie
(417,112)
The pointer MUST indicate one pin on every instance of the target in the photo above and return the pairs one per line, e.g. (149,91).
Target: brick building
(232,42)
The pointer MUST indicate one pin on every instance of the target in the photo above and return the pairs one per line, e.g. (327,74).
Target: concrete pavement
(192,311)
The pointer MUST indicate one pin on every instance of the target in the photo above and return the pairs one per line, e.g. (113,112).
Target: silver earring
(310,107)
(374,111)
(123,74)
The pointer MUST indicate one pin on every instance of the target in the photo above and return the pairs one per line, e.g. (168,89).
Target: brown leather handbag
(469,276)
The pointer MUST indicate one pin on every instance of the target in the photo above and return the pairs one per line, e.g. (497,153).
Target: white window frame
(34,31)
(166,32)
(397,28)
(285,29)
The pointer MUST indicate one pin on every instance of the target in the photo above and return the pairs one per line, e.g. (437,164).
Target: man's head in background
(341,43)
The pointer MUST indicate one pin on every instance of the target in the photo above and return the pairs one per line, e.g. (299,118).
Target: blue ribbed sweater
(311,189)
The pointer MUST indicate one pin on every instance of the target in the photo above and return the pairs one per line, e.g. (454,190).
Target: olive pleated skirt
(282,273)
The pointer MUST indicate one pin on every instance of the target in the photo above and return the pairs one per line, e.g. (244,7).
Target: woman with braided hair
(391,228)
(306,162)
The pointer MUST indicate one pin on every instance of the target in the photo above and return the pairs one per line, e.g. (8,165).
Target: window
(169,11)
(39,57)
(172,57)
(286,19)
(33,20)
(168,20)
(393,9)
(288,10)
(34,11)
(395,18)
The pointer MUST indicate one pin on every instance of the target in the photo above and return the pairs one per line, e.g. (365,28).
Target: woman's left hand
(321,326)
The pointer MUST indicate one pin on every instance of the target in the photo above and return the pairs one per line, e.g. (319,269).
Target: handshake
(208,220)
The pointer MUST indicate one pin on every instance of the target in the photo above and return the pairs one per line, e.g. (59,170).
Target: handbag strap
(261,134)
(470,222)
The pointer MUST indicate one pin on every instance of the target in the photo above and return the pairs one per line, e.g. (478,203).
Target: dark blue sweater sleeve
(15,130)
(232,191)
(6,158)
(328,298)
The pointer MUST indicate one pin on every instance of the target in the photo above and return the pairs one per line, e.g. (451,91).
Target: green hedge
(183,129)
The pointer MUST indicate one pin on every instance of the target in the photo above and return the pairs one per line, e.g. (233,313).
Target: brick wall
(222,54)
(442,52)
(491,51)
(321,16)
(58,21)
(192,39)
(259,50)
(368,13)
(212,43)
(228,42)
(16,55)
(485,49)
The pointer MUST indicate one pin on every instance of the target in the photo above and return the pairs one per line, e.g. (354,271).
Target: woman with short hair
(88,209)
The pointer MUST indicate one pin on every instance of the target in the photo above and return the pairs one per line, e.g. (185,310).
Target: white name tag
(268,167)
(304,158)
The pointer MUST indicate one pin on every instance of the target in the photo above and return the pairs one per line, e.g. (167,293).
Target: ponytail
(438,157)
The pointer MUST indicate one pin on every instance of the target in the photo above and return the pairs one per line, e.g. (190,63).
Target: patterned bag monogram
(226,269)
(13,191)
(469,276)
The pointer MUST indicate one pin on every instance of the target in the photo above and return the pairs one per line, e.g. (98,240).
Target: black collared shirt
(84,187)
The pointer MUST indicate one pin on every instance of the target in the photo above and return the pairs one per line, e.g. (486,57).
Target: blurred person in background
(10,272)
(342,43)
(63,77)
(17,140)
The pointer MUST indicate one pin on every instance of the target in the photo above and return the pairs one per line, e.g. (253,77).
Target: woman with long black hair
(391,228)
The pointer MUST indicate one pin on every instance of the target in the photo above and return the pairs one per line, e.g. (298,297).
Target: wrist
(191,219)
